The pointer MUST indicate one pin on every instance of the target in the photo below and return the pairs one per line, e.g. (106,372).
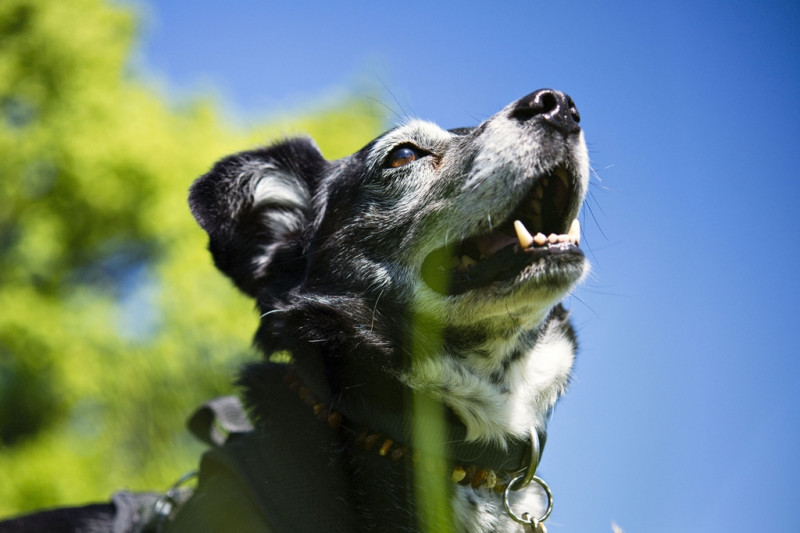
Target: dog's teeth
(462,264)
(575,232)
(552,238)
(540,239)
(524,237)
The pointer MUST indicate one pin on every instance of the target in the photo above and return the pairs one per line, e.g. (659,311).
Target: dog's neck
(393,433)
(501,380)
(501,383)
(497,386)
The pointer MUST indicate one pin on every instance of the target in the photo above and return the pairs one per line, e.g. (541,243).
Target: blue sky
(684,414)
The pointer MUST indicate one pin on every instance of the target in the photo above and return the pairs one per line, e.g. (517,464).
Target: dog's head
(446,220)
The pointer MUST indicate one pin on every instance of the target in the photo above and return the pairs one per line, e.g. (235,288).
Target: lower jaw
(555,268)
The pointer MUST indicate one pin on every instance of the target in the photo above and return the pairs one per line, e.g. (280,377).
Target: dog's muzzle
(540,230)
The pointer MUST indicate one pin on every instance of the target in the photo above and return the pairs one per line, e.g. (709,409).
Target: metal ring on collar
(525,518)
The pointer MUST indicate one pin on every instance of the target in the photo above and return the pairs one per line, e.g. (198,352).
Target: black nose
(553,107)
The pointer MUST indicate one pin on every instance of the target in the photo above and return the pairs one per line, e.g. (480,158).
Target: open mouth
(538,229)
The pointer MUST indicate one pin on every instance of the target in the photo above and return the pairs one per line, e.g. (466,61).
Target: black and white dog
(430,264)
(415,288)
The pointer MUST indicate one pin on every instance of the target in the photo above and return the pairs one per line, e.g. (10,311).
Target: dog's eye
(403,156)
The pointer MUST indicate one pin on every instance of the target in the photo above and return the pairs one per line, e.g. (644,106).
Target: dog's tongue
(491,243)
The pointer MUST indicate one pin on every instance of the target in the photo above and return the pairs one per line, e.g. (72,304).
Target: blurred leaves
(114,323)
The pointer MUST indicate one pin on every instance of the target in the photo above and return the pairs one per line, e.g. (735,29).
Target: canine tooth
(540,239)
(524,237)
(552,238)
(575,232)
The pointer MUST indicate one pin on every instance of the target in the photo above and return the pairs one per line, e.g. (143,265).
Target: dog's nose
(553,107)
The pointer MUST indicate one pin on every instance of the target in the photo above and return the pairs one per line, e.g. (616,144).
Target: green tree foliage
(114,323)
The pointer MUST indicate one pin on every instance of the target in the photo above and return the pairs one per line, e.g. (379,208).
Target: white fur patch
(491,411)
(279,189)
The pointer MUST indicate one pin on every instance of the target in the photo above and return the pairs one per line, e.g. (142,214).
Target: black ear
(255,207)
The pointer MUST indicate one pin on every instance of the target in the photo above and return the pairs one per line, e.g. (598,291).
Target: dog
(425,269)
(411,320)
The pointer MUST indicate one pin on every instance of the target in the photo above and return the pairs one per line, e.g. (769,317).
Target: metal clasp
(533,462)
(521,481)
(165,505)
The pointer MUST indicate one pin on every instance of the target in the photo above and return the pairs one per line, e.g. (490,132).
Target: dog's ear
(255,206)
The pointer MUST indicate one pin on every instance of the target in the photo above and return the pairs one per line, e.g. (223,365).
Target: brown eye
(402,156)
